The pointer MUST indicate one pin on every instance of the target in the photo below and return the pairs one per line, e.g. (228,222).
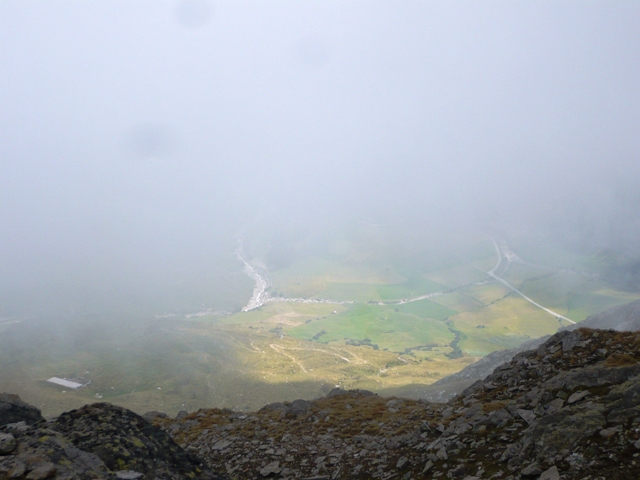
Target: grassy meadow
(377,332)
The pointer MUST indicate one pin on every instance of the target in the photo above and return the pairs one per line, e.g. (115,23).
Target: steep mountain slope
(622,318)
(568,409)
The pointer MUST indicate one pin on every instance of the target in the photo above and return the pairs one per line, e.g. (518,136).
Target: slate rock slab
(126,441)
(13,410)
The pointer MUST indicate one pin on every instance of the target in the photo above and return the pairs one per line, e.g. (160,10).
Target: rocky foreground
(99,441)
(569,409)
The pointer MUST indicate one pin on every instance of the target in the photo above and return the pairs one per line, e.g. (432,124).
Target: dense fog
(139,141)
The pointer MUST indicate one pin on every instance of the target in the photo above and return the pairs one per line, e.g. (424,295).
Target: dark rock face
(99,441)
(336,392)
(7,443)
(125,441)
(13,409)
(40,453)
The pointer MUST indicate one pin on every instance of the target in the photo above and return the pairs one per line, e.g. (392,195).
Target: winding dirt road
(261,296)
(492,274)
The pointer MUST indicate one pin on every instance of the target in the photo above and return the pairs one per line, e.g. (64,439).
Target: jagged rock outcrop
(448,387)
(622,318)
(39,452)
(13,409)
(97,441)
(126,441)
(568,409)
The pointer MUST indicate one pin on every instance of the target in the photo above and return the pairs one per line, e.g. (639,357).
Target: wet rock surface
(569,409)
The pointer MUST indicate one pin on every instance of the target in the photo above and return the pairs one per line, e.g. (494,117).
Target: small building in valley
(64,383)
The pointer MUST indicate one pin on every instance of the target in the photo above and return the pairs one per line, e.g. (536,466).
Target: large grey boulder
(37,452)
(125,441)
(13,410)
(565,429)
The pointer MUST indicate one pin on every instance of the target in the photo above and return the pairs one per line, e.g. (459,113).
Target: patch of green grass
(273,313)
(302,308)
(504,324)
(576,296)
(582,305)
(362,292)
(458,301)
(486,294)
(426,309)
(519,273)
(248,317)
(380,325)
(550,289)
(413,287)
(480,345)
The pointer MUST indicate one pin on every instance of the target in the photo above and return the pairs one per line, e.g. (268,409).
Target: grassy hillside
(383,337)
